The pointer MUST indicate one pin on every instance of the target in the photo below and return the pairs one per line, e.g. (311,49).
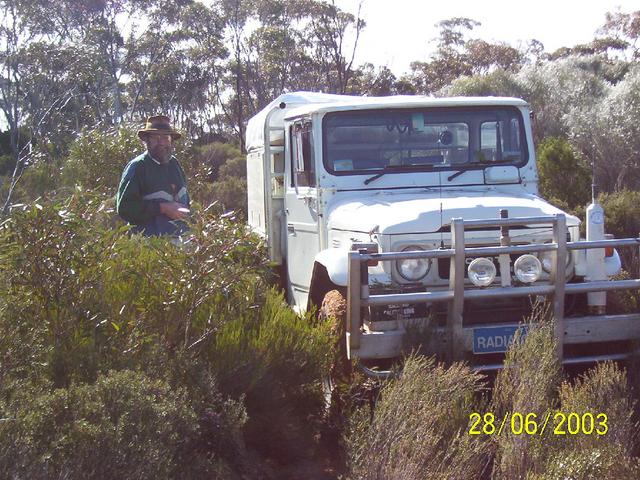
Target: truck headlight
(546,258)
(527,268)
(481,272)
(413,269)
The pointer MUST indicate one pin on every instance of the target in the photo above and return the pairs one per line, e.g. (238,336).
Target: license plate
(495,339)
(393,312)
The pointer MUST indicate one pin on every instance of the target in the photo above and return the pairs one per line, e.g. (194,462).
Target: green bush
(211,158)
(274,359)
(125,425)
(527,384)
(603,389)
(217,176)
(623,301)
(97,158)
(500,83)
(39,180)
(563,174)
(622,219)
(79,299)
(230,193)
(90,298)
(622,213)
(607,462)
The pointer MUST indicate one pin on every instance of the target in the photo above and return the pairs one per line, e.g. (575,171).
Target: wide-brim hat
(158,124)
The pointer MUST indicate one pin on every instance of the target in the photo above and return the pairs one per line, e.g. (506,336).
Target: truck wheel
(334,310)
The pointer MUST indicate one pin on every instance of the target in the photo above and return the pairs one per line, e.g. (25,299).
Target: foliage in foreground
(420,425)
(193,330)
(125,425)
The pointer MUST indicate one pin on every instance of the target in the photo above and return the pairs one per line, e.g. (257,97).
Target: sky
(401,31)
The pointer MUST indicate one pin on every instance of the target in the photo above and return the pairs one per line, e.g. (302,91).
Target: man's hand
(174,210)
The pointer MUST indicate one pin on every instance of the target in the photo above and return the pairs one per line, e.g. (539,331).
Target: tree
(329,27)
(367,80)
(559,89)
(608,133)
(625,29)
(498,83)
(456,56)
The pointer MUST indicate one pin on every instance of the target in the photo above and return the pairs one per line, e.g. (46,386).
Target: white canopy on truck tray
(256,126)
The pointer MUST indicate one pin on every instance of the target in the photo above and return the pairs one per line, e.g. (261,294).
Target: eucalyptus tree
(609,134)
(177,63)
(277,46)
(372,81)
(625,28)
(330,29)
(458,56)
(559,89)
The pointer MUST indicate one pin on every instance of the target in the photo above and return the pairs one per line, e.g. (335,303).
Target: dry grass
(526,384)
(419,427)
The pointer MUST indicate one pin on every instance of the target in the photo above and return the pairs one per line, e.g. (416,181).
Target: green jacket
(144,185)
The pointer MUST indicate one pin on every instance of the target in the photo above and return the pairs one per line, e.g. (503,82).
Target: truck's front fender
(335,260)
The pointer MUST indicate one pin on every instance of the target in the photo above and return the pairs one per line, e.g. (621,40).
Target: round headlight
(546,258)
(527,268)
(413,269)
(482,272)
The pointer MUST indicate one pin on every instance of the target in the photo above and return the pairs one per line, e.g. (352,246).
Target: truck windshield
(362,142)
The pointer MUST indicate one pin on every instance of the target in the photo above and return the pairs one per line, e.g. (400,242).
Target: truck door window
(302,161)
(500,141)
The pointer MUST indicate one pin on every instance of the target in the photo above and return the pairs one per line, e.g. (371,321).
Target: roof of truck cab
(400,101)
(295,104)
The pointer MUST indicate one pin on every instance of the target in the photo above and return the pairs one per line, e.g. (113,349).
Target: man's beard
(161,154)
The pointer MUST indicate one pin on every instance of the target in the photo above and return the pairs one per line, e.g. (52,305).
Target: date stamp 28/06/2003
(555,423)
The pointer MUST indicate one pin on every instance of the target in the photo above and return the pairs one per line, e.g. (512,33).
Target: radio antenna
(594,184)
(441,224)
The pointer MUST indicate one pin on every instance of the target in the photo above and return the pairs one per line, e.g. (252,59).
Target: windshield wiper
(455,175)
(398,168)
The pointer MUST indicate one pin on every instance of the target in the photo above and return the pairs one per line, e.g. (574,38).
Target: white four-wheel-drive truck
(400,211)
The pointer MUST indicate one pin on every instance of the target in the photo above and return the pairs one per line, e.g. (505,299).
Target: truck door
(301,209)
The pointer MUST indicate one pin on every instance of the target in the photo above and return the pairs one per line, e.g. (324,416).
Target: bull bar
(363,344)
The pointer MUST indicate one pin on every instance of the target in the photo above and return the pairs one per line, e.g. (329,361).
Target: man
(153,190)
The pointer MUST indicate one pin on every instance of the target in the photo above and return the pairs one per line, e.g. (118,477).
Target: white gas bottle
(595,256)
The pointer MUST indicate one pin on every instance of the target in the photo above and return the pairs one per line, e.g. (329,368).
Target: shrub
(230,193)
(607,462)
(38,180)
(97,158)
(622,219)
(419,427)
(212,157)
(526,384)
(274,359)
(563,174)
(123,426)
(602,389)
(217,173)
(500,83)
(623,301)
(79,299)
